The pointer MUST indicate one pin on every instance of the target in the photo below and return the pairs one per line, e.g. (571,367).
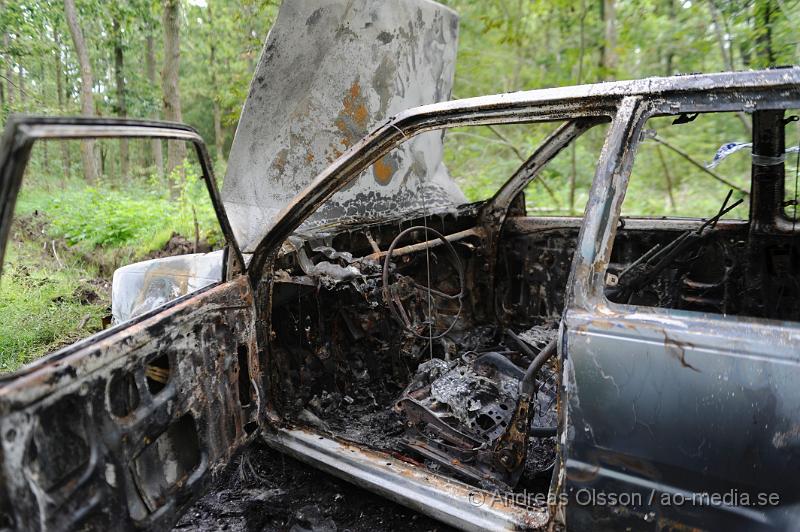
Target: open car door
(122,429)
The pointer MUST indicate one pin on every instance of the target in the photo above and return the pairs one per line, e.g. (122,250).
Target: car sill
(449,501)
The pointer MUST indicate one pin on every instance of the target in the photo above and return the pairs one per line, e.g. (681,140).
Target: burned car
(487,366)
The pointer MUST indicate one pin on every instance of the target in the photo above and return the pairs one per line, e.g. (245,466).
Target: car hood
(331,71)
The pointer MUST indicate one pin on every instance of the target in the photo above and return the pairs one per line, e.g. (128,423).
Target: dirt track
(264,490)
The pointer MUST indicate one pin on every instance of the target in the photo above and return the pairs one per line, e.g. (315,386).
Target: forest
(88,208)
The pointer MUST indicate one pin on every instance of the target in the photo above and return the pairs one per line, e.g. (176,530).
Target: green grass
(43,306)
(139,216)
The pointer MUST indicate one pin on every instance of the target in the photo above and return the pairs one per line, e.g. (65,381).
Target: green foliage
(92,218)
(136,216)
(504,45)
(507,45)
(695,193)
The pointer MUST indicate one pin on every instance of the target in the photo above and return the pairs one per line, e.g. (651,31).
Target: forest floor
(264,490)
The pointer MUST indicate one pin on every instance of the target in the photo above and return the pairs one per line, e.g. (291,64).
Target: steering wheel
(395,292)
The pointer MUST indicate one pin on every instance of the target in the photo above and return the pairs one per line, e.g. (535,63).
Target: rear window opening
(741,255)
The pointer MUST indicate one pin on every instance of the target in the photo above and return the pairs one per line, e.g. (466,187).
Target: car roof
(678,85)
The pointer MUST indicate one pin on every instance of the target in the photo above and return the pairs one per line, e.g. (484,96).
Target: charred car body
(449,356)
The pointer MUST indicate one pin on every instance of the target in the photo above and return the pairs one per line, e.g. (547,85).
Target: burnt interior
(730,271)
(439,380)
(176,397)
(348,365)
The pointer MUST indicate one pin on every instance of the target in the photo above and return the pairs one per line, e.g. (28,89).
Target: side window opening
(699,250)
(482,158)
(686,164)
(88,253)
(562,188)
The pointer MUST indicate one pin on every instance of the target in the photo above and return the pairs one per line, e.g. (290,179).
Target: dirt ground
(264,490)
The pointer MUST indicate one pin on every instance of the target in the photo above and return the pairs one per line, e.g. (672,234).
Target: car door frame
(649,403)
(88,437)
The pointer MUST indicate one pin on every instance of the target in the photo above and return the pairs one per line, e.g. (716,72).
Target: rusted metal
(124,428)
(91,440)
(421,246)
(493,215)
(630,104)
(697,356)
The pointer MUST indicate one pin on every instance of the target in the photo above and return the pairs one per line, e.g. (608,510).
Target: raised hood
(330,71)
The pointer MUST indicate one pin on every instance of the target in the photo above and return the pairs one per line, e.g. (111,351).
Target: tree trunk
(726,51)
(87,101)
(9,76)
(23,100)
(45,144)
(610,46)
(65,162)
(667,178)
(720,30)
(2,88)
(122,108)
(670,53)
(46,159)
(176,151)
(574,157)
(9,96)
(5,47)
(156,155)
(218,139)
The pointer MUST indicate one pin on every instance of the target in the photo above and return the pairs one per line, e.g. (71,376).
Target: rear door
(673,418)
(124,428)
